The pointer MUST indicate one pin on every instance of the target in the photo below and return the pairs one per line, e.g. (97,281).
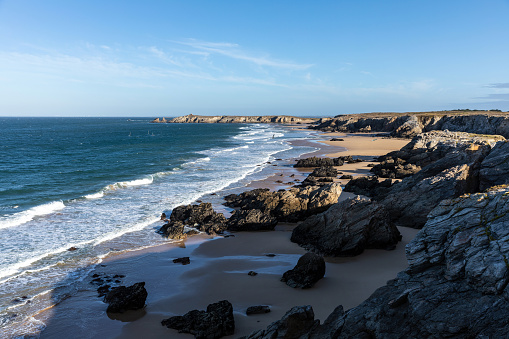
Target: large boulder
(369,186)
(347,229)
(122,298)
(217,321)
(319,162)
(251,220)
(202,216)
(290,205)
(296,323)
(495,167)
(309,269)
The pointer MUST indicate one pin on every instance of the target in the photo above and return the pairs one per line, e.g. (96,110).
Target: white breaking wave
(25,216)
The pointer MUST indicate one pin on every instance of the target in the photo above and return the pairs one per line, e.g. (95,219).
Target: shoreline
(206,280)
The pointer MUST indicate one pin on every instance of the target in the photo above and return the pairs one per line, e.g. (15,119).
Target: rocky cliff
(278,119)
(456,285)
(409,125)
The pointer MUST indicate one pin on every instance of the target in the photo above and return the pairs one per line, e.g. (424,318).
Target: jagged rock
(368,186)
(214,323)
(261,309)
(251,220)
(410,125)
(309,269)
(395,169)
(174,230)
(296,323)
(287,205)
(201,216)
(495,167)
(319,162)
(316,181)
(122,298)
(324,171)
(456,285)
(347,229)
(346,176)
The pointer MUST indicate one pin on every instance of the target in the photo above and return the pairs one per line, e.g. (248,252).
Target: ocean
(99,185)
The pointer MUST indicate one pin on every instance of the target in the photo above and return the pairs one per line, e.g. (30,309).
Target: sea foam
(28,215)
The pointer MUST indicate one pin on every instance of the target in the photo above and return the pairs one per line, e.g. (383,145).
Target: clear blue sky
(168,58)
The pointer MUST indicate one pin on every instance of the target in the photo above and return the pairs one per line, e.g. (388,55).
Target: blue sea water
(100,185)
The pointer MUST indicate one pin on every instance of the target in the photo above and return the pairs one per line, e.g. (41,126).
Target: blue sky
(310,58)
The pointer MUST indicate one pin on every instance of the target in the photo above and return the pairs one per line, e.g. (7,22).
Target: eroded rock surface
(288,205)
(202,216)
(217,321)
(456,285)
(251,220)
(347,229)
(495,167)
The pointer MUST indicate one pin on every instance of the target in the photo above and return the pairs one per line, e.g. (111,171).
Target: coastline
(218,271)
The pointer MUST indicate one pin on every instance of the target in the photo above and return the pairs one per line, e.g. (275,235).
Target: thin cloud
(498,85)
(496,96)
(233,51)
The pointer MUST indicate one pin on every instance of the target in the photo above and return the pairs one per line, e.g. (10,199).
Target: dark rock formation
(296,323)
(346,176)
(495,167)
(368,186)
(214,323)
(122,298)
(395,168)
(325,171)
(183,261)
(261,309)
(290,205)
(319,162)
(202,216)
(409,125)
(309,269)
(347,229)
(251,220)
(456,285)
(174,230)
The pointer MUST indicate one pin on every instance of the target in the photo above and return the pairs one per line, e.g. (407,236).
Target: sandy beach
(219,267)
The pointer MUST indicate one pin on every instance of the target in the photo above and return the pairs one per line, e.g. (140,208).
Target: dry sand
(218,271)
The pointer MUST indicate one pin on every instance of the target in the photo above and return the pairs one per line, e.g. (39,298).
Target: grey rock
(347,229)
(201,216)
(251,220)
(309,269)
(260,309)
(295,324)
(291,205)
(122,298)
(217,321)
(495,167)
(324,171)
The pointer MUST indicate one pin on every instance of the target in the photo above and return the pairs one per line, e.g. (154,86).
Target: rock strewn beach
(457,262)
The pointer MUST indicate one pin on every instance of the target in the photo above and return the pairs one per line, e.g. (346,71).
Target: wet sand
(219,268)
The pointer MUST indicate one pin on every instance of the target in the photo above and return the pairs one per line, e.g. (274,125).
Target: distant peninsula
(276,119)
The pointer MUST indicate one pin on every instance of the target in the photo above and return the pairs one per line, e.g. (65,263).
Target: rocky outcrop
(290,205)
(251,220)
(369,186)
(214,323)
(320,176)
(259,309)
(202,216)
(427,148)
(409,125)
(296,323)
(309,269)
(122,298)
(278,119)
(319,162)
(495,167)
(324,171)
(456,285)
(347,229)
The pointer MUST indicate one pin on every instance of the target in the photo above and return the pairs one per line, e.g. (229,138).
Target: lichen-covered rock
(214,323)
(122,298)
(347,229)
(251,220)
(309,269)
